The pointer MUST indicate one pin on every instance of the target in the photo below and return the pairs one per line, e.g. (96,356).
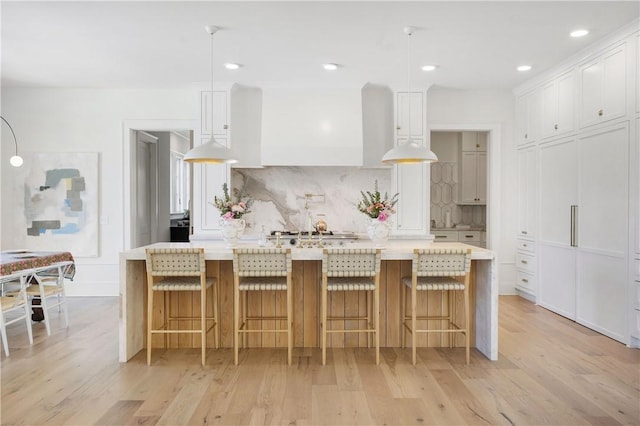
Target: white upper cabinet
(558,98)
(413,116)
(603,87)
(472,169)
(220,124)
(529,117)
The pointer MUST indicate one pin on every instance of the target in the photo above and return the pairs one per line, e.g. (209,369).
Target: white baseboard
(95,288)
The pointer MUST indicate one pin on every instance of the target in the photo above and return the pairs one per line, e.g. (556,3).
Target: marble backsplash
(279,196)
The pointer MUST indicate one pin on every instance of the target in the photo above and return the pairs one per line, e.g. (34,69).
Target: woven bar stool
(261,269)
(445,270)
(180,269)
(351,270)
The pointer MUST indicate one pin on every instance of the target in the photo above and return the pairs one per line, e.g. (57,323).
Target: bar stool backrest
(176,262)
(262,262)
(351,262)
(441,262)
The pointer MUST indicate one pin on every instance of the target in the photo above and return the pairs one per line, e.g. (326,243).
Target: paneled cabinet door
(528,117)
(603,230)
(527,185)
(219,115)
(213,176)
(556,256)
(603,87)
(558,106)
(410,116)
(472,186)
(411,181)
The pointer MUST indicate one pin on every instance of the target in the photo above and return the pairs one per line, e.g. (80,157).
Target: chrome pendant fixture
(15,160)
(210,152)
(412,151)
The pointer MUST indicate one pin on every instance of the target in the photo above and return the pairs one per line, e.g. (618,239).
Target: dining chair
(261,270)
(177,270)
(437,269)
(48,284)
(16,303)
(351,270)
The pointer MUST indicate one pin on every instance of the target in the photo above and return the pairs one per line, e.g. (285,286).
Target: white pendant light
(15,160)
(411,151)
(210,152)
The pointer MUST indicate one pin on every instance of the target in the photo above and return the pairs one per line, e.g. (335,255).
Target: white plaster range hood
(312,127)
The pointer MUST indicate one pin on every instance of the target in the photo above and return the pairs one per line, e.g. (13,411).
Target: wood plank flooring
(550,371)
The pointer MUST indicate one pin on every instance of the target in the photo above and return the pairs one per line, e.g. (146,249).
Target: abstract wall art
(59,206)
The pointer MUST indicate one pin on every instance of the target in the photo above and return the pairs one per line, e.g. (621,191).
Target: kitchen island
(396,263)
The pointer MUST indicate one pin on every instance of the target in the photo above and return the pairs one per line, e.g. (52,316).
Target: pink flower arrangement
(375,206)
(230,209)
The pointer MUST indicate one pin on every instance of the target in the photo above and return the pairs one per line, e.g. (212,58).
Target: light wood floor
(550,371)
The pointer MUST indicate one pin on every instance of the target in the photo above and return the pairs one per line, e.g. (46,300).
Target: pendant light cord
(15,141)
(212,101)
(409,85)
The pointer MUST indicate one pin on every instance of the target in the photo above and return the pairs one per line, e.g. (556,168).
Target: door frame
(494,142)
(128,155)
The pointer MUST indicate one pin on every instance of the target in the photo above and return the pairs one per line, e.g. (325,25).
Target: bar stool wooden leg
(289,319)
(467,320)
(203,320)
(376,318)
(149,318)
(323,319)
(236,319)
(414,291)
(216,333)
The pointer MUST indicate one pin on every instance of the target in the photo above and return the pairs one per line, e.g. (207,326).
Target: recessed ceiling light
(330,67)
(579,33)
(524,68)
(429,67)
(231,66)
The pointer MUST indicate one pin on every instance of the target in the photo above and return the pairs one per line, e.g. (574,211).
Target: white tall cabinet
(411,180)
(575,220)
(209,178)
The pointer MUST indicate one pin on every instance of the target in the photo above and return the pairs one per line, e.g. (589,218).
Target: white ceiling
(163,44)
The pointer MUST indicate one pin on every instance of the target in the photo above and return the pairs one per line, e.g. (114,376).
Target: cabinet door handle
(468,236)
(397,127)
(526,135)
(555,127)
(226,126)
(524,262)
(524,232)
(524,280)
(600,113)
(524,245)
(574,226)
(441,236)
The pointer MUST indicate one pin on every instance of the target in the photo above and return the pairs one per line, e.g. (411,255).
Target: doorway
(150,182)
(489,163)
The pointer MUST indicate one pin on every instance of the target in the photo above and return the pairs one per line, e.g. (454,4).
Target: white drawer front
(526,262)
(526,245)
(526,281)
(466,236)
(441,236)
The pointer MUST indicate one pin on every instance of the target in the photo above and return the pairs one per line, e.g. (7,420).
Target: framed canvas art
(59,206)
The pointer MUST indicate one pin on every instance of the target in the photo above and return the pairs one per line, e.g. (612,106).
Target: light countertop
(393,249)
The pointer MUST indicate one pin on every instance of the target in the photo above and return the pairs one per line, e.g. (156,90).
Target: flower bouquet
(230,209)
(375,206)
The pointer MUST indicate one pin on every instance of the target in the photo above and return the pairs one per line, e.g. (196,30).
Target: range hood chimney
(312,127)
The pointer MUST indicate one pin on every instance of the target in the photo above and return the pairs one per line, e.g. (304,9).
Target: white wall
(85,120)
(469,107)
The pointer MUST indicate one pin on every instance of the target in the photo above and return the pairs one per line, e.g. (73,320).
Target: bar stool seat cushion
(181,283)
(351,284)
(435,283)
(262,284)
